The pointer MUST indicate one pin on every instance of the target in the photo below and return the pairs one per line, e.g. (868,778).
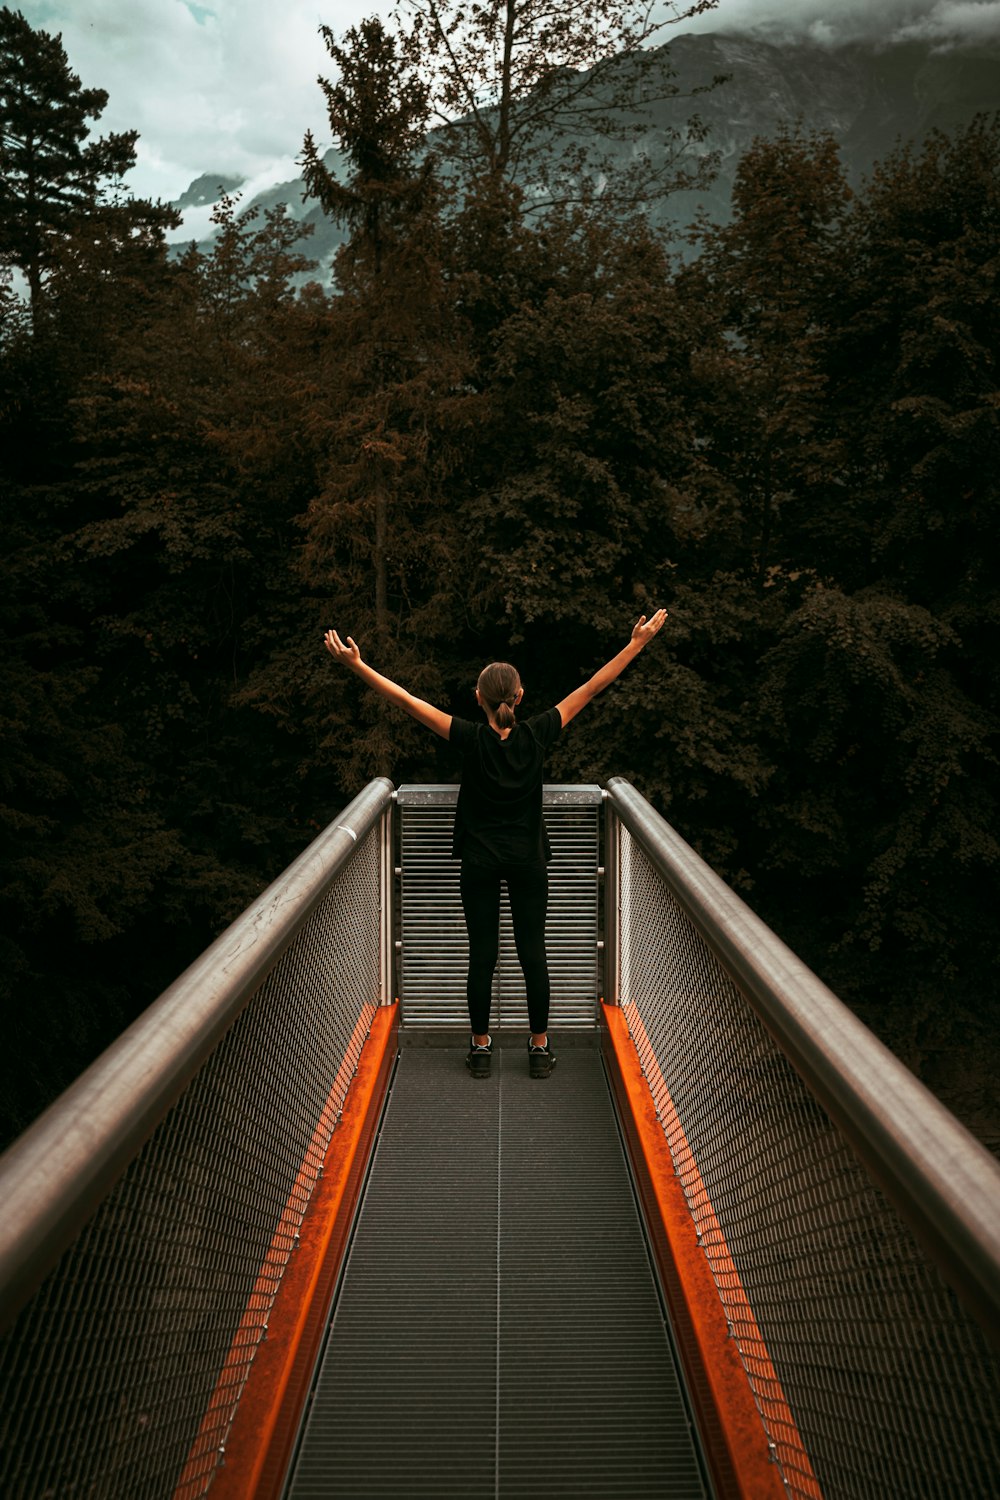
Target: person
(500,833)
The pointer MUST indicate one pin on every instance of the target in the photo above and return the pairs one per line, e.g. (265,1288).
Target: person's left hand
(644,630)
(350,654)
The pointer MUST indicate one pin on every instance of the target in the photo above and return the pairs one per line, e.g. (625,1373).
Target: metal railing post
(387,897)
(612,904)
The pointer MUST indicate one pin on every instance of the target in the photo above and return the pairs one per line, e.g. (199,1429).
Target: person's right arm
(349,655)
(642,634)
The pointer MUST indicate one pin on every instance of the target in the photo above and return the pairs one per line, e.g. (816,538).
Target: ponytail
(499,684)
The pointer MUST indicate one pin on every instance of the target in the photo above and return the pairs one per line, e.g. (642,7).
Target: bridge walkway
(276,1243)
(498,1291)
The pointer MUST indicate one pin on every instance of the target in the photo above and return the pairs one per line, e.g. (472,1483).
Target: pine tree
(377,107)
(51,175)
(381,533)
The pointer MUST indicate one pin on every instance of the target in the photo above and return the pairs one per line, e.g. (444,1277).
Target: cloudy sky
(228,86)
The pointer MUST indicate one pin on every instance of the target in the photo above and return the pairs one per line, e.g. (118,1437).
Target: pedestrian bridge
(278,1242)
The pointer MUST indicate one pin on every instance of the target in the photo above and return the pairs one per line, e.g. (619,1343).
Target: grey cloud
(834,22)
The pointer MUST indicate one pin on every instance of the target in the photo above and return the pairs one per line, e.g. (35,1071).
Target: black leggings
(528,890)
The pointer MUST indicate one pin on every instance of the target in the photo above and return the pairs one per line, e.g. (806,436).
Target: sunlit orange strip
(284,1267)
(657,1122)
(780,1421)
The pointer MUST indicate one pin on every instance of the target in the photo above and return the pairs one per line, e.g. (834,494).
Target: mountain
(868,97)
(321,245)
(207,189)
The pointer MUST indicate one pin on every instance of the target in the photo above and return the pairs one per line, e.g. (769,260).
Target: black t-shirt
(498,819)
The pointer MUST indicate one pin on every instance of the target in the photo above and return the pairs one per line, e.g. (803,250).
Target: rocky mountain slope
(868,97)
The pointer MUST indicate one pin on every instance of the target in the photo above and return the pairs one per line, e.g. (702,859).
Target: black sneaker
(541,1060)
(478,1059)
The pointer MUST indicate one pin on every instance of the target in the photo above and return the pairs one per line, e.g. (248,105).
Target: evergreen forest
(510,424)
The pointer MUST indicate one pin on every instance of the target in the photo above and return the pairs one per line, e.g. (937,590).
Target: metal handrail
(942,1182)
(55,1175)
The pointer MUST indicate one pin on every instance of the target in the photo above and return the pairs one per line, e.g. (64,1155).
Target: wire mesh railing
(120,1373)
(851,1225)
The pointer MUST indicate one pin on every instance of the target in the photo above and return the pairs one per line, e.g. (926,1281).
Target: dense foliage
(502,434)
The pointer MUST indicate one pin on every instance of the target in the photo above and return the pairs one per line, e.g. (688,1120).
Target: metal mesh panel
(435,951)
(870,1378)
(121,1376)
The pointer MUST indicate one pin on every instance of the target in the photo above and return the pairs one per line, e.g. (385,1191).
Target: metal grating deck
(498,1331)
(434,950)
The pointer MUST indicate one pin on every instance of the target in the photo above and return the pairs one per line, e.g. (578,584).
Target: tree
(915,381)
(916,368)
(772,277)
(853,390)
(377,108)
(380,536)
(51,176)
(150,568)
(878,847)
(193,470)
(581,421)
(547,95)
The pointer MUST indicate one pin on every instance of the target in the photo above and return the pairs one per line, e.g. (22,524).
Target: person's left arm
(349,655)
(642,633)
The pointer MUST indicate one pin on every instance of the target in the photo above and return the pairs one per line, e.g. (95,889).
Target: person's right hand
(350,654)
(644,630)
